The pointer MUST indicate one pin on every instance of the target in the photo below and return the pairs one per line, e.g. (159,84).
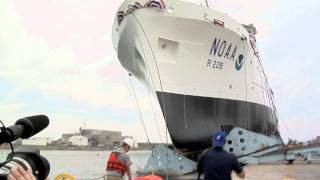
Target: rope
(285,124)
(263,90)
(271,100)
(153,86)
(155,117)
(167,173)
(246,83)
(138,108)
(163,99)
(207,3)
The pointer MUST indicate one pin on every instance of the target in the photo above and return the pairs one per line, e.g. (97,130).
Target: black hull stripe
(192,119)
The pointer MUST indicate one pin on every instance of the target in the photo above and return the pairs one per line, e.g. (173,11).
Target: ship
(202,65)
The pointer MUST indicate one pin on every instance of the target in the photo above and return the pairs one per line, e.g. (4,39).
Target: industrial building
(315,141)
(37,141)
(77,140)
(95,138)
(65,137)
(102,137)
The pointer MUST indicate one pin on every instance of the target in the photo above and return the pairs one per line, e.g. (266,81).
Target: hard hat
(218,138)
(128,141)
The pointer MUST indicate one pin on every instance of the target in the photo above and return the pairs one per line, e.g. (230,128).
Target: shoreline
(145,147)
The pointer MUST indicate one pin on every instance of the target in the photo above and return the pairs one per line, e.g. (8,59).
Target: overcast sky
(56,58)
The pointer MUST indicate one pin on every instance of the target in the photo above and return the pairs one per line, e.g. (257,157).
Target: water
(85,164)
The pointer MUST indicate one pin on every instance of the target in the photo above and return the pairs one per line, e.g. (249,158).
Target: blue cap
(218,138)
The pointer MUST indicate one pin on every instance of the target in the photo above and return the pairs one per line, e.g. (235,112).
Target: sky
(57,59)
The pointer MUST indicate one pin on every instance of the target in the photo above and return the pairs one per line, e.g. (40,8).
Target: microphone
(24,128)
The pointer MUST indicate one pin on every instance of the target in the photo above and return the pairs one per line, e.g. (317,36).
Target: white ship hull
(204,69)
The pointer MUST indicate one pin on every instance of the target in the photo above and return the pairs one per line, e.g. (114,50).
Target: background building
(65,137)
(315,141)
(102,137)
(37,141)
(77,140)
(95,138)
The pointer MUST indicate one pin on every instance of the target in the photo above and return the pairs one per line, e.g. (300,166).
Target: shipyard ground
(300,170)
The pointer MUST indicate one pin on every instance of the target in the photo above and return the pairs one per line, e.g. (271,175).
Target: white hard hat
(128,141)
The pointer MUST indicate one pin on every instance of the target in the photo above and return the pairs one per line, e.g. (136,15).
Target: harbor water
(84,164)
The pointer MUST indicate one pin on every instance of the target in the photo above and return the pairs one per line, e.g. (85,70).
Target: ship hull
(202,67)
(191,119)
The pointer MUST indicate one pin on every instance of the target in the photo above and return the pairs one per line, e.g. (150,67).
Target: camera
(26,157)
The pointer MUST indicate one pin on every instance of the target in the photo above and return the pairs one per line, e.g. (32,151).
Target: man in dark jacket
(217,164)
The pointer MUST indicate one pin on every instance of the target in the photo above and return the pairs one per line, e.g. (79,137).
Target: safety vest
(114,164)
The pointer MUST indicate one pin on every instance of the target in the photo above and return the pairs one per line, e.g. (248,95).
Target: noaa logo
(239,62)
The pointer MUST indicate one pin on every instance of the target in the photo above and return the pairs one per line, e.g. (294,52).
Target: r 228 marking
(215,64)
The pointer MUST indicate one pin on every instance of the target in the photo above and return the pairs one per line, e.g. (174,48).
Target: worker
(217,164)
(119,163)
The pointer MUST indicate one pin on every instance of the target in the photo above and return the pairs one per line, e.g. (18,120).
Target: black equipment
(27,158)
(24,128)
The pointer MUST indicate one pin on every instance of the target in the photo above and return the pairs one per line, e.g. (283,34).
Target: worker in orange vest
(119,163)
